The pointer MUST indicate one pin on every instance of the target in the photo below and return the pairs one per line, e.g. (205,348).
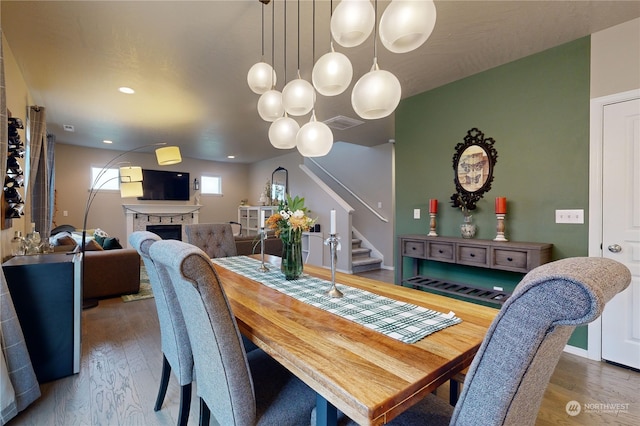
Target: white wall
(615,59)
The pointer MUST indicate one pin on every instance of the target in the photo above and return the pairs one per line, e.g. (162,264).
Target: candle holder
(500,228)
(263,235)
(432,225)
(333,249)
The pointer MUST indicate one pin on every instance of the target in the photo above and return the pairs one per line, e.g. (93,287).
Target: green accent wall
(537,110)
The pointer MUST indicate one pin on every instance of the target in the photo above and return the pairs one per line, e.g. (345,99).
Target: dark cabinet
(46,293)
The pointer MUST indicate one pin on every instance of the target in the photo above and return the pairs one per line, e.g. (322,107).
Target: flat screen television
(164,185)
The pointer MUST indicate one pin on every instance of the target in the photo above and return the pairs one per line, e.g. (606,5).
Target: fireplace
(141,217)
(167,232)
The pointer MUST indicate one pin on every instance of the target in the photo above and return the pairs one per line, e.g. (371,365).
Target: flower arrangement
(458,202)
(292,216)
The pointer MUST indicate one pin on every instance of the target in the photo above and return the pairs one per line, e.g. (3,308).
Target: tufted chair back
(215,239)
(176,348)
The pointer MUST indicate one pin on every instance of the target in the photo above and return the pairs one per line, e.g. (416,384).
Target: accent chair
(215,239)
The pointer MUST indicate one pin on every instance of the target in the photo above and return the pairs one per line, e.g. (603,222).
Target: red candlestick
(433,206)
(501,205)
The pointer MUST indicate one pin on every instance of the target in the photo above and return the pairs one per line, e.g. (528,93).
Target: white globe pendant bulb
(314,139)
(270,105)
(298,97)
(332,73)
(261,77)
(377,94)
(352,22)
(283,132)
(406,24)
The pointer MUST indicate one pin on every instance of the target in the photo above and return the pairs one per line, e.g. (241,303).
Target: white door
(621,228)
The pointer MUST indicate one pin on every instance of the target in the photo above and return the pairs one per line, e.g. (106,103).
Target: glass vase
(291,263)
(468,228)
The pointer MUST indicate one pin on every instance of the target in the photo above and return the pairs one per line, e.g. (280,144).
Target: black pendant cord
(285,42)
(330,16)
(273,63)
(263,32)
(298,38)
(313,36)
(375,32)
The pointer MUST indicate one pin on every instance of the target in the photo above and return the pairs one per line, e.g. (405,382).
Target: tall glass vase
(291,264)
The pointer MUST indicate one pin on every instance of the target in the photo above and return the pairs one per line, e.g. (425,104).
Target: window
(109,179)
(211,185)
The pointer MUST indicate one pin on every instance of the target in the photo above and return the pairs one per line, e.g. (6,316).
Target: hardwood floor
(121,364)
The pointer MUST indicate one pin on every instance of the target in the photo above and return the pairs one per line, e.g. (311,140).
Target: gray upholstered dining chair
(510,372)
(215,239)
(239,388)
(176,348)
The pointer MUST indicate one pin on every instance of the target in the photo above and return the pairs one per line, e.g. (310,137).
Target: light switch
(416,213)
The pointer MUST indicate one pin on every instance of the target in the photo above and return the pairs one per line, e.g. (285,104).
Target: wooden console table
(502,255)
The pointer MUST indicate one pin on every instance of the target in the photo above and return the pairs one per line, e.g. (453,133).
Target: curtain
(40,170)
(16,371)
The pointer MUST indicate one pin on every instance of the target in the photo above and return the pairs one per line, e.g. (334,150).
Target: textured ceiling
(188,62)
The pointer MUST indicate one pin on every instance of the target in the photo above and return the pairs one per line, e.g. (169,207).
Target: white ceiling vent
(340,122)
(68,128)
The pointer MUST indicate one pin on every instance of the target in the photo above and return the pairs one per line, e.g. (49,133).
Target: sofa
(108,272)
(250,244)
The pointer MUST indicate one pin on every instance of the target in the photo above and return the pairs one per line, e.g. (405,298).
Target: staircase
(361,259)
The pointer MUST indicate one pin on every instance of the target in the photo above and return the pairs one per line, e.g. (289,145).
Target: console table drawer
(413,248)
(442,252)
(512,260)
(473,255)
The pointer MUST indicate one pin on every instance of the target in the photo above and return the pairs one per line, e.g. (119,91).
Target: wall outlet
(65,213)
(416,213)
(570,216)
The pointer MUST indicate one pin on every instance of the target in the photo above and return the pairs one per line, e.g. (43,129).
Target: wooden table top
(370,377)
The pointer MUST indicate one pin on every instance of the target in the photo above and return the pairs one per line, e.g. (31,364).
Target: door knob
(615,248)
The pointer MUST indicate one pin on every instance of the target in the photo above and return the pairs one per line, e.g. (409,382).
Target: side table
(46,292)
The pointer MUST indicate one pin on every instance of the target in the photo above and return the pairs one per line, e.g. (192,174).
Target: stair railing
(353,194)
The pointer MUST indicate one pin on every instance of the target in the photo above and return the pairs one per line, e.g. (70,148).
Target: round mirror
(473,163)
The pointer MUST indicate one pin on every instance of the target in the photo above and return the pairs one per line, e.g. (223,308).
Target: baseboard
(576,351)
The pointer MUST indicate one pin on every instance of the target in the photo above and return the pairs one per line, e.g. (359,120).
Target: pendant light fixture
(352,22)
(283,131)
(406,24)
(333,72)
(261,76)
(270,106)
(377,93)
(298,96)
(314,139)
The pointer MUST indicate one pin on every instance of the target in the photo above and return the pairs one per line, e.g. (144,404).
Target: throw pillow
(100,232)
(99,239)
(65,240)
(92,245)
(111,243)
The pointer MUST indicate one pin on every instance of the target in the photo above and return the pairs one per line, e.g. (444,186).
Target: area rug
(145,288)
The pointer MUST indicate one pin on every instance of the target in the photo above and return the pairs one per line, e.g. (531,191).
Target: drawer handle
(510,259)
(472,255)
(413,248)
(440,251)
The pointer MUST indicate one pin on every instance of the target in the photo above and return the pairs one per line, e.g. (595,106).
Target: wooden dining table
(367,375)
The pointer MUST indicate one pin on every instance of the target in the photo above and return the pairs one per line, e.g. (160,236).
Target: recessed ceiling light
(231,156)
(127,90)
(107,141)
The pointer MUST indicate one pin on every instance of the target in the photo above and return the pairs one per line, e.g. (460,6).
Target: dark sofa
(250,244)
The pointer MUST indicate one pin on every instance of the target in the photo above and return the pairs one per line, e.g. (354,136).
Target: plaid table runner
(400,320)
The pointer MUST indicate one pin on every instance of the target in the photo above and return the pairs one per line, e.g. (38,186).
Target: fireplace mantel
(179,213)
